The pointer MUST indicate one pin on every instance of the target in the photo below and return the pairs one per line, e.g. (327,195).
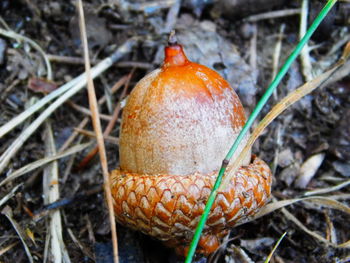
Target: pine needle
(98,130)
(267,260)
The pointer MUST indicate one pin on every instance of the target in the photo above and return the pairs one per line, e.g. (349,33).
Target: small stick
(67,59)
(63,202)
(111,139)
(97,127)
(304,54)
(51,194)
(135,64)
(87,111)
(253,44)
(79,244)
(151,5)
(273,14)
(276,57)
(172,17)
(10,194)
(5,249)
(278,137)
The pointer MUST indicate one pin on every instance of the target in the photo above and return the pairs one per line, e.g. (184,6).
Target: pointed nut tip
(172,38)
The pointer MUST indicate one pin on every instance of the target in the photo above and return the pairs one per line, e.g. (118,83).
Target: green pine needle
(252,117)
(267,260)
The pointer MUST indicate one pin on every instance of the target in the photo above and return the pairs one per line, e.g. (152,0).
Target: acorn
(177,126)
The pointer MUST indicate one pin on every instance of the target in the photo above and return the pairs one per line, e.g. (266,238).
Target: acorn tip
(172,38)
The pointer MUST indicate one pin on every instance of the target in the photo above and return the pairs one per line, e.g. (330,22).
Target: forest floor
(239,39)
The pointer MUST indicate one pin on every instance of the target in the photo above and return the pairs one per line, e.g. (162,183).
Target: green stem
(249,123)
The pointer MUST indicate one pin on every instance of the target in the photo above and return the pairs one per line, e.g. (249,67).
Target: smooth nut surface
(179,119)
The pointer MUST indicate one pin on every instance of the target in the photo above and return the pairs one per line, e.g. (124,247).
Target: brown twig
(111,139)
(86,111)
(97,127)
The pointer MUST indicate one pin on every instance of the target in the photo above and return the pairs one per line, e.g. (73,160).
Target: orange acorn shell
(177,127)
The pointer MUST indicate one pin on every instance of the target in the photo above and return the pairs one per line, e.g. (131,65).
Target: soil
(242,51)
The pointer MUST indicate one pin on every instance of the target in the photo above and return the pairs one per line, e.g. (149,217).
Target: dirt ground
(307,147)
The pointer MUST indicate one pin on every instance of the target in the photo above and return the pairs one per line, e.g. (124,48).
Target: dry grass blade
(328,189)
(331,233)
(242,255)
(97,127)
(7,211)
(39,163)
(9,195)
(274,248)
(269,208)
(325,201)
(312,233)
(319,200)
(305,229)
(328,202)
(5,249)
(79,244)
(46,247)
(279,108)
(277,55)
(51,194)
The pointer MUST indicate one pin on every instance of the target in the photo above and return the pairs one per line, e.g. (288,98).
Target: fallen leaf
(40,85)
(308,170)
